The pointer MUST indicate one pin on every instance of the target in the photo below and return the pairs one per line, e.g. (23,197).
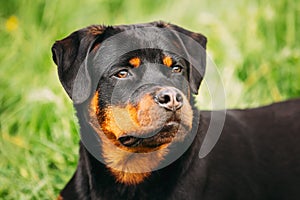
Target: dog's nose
(170,99)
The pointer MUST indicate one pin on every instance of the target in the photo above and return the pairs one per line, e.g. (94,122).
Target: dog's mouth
(154,139)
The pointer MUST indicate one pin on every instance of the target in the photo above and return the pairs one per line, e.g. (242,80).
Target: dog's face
(145,100)
(138,101)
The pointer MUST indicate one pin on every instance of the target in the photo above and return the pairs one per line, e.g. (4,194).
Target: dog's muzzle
(170,101)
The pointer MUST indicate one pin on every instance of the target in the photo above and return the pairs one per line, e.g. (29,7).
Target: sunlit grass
(255,46)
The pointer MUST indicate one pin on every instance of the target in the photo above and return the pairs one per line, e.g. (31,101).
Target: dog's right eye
(122,74)
(176,69)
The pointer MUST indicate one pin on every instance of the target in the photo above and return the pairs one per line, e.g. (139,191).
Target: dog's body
(137,117)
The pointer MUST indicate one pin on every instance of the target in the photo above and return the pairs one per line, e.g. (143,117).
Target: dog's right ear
(69,54)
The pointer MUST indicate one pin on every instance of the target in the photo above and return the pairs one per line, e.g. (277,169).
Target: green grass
(255,46)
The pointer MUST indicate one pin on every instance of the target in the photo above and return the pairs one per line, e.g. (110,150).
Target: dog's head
(135,83)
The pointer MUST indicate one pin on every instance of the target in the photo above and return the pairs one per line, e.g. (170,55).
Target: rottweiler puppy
(133,89)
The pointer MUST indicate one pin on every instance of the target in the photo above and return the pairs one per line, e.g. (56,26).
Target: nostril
(179,98)
(163,98)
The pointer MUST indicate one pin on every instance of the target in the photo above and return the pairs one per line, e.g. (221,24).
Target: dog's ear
(196,54)
(70,54)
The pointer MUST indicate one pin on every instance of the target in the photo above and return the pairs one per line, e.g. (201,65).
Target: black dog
(141,134)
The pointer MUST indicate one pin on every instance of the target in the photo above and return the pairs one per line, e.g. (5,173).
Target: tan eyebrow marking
(135,62)
(167,60)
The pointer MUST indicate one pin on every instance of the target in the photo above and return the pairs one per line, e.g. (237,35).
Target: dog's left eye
(122,73)
(176,69)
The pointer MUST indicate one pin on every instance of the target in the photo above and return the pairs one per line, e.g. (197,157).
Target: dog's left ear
(196,73)
(69,54)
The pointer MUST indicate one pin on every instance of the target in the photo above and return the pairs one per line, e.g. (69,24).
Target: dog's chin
(171,132)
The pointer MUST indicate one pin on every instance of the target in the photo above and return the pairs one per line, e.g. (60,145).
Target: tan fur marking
(94,105)
(135,62)
(128,167)
(167,60)
(133,165)
(59,197)
(124,120)
(120,120)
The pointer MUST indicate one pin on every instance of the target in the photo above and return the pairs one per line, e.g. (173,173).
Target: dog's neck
(101,179)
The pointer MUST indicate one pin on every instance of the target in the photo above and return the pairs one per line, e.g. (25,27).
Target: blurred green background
(255,45)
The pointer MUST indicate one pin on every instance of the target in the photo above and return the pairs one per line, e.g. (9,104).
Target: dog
(133,89)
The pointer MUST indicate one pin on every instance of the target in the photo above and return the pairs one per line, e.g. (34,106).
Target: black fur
(256,157)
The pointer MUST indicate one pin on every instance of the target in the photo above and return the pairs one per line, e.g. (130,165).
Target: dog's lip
(162,136)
